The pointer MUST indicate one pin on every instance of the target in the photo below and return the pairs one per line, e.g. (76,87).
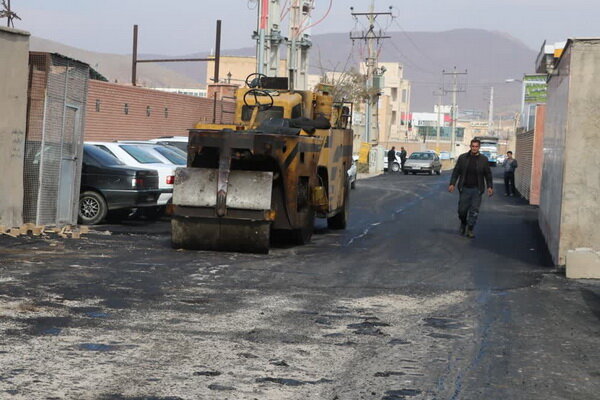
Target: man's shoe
(463,228)
(469,232)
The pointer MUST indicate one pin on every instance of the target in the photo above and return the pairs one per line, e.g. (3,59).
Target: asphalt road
(398,306)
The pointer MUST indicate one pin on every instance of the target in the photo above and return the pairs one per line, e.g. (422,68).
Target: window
(394,94)
(126,109)
(166,112)
(100,156)
(97,105)
(140,155)
(404,95)
(421,156)
(171,155)
(273,112)
(394,117)
(148,111)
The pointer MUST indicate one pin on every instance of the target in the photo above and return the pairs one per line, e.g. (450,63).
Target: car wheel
(395,167)
(92,208)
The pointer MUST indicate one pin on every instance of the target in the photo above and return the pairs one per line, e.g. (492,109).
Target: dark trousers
(468,206)
(509,182)
(402,161)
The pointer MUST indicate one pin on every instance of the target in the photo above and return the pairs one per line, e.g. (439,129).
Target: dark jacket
(484,173)
(391,156)
(403,155)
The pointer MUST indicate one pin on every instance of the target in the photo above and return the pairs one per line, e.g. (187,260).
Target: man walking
(473,173)
(510,164)
(391,155)
(402,157)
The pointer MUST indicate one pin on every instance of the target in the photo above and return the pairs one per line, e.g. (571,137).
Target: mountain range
(488,57)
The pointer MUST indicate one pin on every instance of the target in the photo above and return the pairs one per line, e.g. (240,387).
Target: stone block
(583,263)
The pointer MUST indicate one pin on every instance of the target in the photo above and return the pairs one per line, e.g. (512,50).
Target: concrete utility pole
(455,90)
(299,43)
(439,94)
(268,36)
(374,74)
(491,113)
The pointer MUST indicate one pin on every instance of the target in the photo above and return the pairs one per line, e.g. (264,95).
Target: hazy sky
(177,27)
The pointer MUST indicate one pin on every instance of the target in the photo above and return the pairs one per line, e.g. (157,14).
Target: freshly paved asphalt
(398,306)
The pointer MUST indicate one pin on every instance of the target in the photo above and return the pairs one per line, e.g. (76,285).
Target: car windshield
(421,156)
(101,156)
(141,155)
(173,155)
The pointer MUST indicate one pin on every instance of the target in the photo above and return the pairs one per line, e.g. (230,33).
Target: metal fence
(54,140)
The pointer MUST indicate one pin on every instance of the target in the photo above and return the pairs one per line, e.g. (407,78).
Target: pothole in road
(207,373)
(397,341)
(222,388)
(387,374)
(369,327)
(291,382)
(103,347)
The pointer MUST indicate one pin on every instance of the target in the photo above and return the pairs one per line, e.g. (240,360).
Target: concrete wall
(14,53)
(149,113)
(570,197)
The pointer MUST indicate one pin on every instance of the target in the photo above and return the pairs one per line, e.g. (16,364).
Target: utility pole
(439,94)
(491,113)
(455,90)
(299,43)
(268,36)
(374,74)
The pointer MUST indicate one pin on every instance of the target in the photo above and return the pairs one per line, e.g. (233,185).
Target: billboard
(535,89)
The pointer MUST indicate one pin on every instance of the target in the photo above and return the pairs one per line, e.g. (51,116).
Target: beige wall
(570,189)
(239,67)
(14,56)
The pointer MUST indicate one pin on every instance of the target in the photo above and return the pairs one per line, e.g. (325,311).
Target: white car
(180,142)
(164,152)
(134,154)
(396,166)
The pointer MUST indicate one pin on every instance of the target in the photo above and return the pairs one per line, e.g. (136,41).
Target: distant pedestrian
(391,155)
(402,157)
(510,164)
(473,173)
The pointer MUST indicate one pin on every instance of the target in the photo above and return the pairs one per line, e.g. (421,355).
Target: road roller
(281,163)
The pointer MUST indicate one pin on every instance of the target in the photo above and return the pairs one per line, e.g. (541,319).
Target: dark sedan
(108,184)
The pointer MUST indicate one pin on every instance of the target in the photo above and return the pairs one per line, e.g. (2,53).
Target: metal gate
(54,140)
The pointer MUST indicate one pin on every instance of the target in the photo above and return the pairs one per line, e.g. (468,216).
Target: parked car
(423,161)
(136,155)
(180,142)
(164,152)
(352,173)
(109,184)
(500,159)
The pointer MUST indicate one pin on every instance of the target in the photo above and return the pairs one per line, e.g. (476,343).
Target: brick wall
(538,155)
(117,112)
